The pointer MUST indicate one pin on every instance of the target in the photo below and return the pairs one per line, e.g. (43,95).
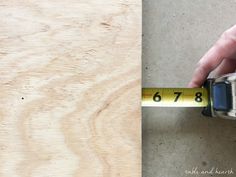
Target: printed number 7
(177,95)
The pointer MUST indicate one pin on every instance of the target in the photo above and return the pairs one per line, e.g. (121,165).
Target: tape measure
(217,97)
(175,97)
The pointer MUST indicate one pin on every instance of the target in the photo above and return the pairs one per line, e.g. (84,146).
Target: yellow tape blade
(175,97)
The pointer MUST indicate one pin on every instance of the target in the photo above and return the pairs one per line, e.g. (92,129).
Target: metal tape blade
(174,97)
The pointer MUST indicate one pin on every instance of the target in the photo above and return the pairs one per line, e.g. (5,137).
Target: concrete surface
(175,35)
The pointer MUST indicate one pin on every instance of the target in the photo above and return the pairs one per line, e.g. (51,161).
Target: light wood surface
(70,88)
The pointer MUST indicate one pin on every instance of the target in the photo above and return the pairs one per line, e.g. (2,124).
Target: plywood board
(70,88)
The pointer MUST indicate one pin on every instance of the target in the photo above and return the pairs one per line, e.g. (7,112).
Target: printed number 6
(157,97)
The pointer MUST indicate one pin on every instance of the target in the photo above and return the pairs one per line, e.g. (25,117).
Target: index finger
(225,47)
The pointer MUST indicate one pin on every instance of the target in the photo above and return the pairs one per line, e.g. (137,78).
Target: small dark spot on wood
(204,163)
(22,98)
(146,67)
(106,24)
(200,137)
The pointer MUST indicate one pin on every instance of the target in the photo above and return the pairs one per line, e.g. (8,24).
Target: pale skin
(219,60)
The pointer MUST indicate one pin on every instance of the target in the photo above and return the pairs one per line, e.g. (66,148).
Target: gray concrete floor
(175,35)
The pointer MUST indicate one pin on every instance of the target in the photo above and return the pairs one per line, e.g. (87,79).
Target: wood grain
(70,88)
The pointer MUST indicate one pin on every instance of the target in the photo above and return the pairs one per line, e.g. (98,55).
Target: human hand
(220,59)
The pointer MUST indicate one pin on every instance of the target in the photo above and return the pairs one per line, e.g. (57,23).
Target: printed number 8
(198,97)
